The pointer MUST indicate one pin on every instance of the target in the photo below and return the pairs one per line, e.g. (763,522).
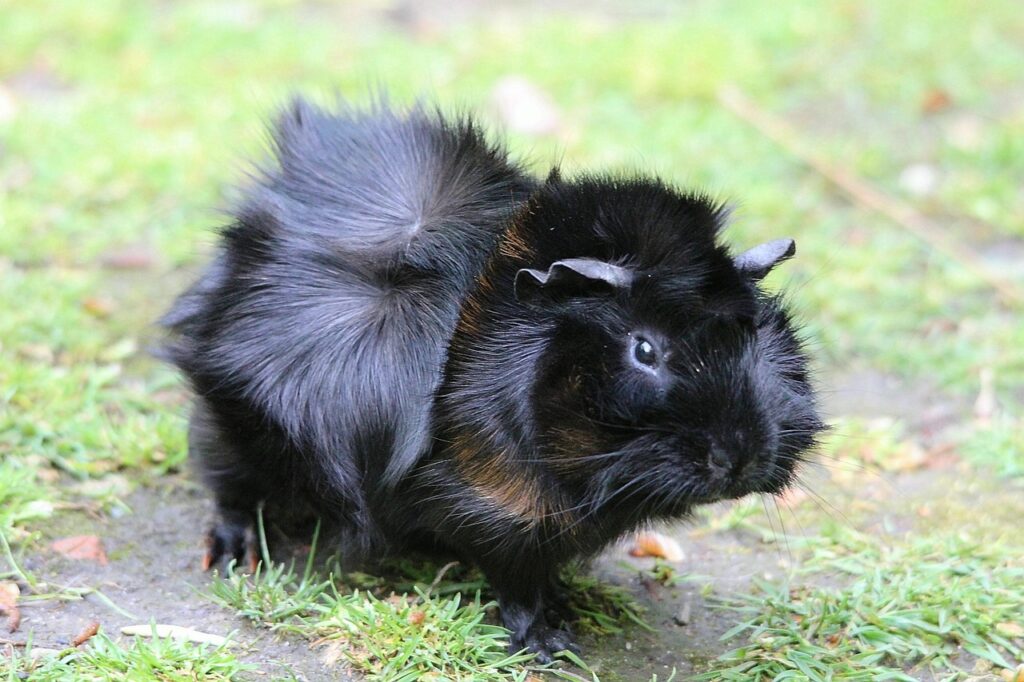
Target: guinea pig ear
(571,277)
(757,262)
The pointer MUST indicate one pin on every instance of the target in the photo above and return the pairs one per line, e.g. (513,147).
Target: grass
(895,613)
(123,124)
(408,625)
(393,637)
(164,659)
(997,447)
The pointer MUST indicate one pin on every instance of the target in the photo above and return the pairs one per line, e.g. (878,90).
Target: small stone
(919,179)
(682,617)
(1010,629)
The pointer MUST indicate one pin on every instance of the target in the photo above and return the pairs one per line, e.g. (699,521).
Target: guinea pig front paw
(545,641)
(230,539)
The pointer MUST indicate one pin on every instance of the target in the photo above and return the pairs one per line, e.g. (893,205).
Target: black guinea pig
(406,334)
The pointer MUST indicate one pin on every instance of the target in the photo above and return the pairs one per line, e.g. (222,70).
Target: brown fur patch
(494,478)
(469,316)
(512,244)
(571,447)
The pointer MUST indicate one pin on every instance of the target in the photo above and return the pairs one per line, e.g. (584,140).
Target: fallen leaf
(9,593)
(130,258)
(97,306)
(82,547)
(87,633)
(910,456)
(334,651)
(942,456)
(176,632)
(36,351)
(1010,629)
(48,475)
(416,617)
(397,600)
(935,100)
(1015,675)
(657,545)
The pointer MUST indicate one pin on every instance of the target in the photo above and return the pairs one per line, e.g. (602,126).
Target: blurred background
(887,138)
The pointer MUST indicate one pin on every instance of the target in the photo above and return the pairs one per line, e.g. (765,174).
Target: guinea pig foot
(228,540)
(544,641)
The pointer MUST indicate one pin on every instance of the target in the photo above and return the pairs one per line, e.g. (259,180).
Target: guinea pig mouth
(759,477)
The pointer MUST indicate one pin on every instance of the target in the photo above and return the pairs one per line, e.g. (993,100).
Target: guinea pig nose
(719,460)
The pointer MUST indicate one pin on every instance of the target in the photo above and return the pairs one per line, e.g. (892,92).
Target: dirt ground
(154,548)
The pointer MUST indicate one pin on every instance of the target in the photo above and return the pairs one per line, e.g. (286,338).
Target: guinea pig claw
(226,541)
(214,549)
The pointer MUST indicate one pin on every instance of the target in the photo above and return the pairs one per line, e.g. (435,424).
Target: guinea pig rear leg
(236,486)
(231,537)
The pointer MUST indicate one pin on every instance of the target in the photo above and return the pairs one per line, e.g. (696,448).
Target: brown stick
(861,192)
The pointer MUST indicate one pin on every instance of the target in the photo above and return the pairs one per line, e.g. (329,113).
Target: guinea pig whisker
(782,525)
(666,494)
(798,432)
(792,512)
(831,462)
(595,506)
(571,460)
(620,426)
(822,503)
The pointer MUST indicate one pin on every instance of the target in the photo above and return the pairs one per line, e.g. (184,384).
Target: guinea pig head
(652,372)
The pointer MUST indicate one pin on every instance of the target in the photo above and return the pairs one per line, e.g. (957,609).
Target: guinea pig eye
(644,352)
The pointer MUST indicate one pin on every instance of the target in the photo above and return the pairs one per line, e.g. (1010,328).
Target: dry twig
(866,194)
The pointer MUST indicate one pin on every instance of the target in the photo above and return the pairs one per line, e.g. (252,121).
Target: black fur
(407,335)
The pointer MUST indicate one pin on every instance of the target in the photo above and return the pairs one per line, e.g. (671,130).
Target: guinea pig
(406,334)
